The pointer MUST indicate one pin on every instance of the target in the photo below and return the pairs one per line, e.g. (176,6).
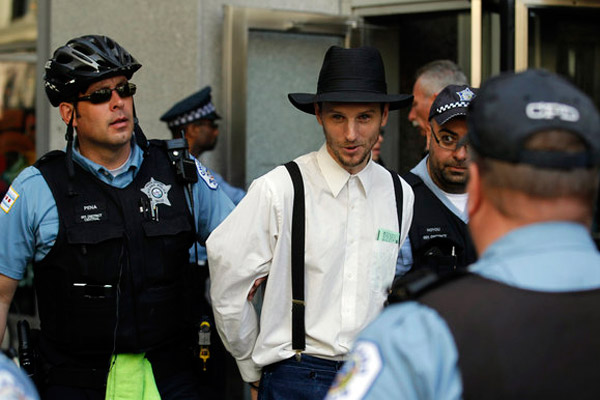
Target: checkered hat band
(193,115)
(450,106)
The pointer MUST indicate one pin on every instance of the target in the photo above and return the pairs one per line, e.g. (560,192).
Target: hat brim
(305,101)
(442,118)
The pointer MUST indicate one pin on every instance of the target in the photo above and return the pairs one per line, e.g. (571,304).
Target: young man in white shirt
(352,238)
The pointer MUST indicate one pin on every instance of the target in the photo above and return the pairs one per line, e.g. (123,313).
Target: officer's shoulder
(415,285)
(50,156)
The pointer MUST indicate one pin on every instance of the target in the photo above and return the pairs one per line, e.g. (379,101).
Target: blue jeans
(307,379)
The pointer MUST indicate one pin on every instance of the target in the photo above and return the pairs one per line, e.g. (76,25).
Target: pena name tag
(388,236)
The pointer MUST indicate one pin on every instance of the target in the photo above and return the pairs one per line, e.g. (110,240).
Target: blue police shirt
(235,195)
(408,352)
(29,217)
(405,261)
(14,384)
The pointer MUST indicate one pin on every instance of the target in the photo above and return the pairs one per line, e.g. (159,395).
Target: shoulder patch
(9,199)
(206,176)
(358,373)
(10,388)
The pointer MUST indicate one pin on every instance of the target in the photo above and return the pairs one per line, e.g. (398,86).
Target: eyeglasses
(449,141)
(103,95)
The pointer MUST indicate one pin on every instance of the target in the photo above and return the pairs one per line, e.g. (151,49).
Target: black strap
(399,199)
(298,230)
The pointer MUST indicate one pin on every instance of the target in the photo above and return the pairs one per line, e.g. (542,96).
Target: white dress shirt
(347,269)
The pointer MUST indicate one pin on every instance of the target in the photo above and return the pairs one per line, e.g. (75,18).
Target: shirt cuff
(249,370)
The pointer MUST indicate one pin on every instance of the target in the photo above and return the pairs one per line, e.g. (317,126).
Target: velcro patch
(206,176)
(9,199)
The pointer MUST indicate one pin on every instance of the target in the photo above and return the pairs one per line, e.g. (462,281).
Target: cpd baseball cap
(511,107)
(451,102)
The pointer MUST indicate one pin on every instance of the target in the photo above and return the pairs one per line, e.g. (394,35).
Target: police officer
(107,228)
(524,322)
(431,78)
(195,118)
(439,238)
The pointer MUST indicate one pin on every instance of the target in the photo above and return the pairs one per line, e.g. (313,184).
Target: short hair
(539,182)
(438,74)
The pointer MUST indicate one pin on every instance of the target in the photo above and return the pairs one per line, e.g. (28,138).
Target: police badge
(157,192)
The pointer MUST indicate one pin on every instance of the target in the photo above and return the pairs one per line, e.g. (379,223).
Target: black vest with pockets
(436,233)
(521,344)
(105,242)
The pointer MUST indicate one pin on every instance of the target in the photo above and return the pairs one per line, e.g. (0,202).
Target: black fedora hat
(350,76)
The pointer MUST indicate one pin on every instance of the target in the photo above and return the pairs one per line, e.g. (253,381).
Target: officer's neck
(109,157)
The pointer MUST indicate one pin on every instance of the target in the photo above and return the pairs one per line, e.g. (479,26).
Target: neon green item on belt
(131,378)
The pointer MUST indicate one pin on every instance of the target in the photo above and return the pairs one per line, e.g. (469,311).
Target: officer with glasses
(107,225)
(439,238)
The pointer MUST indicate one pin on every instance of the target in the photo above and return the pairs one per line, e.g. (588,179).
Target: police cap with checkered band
(193,108)
(451,102)
(511,107)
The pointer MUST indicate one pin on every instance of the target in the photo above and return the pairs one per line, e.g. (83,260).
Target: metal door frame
(522,24)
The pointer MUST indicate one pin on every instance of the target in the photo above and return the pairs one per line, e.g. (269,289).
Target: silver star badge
(157,192)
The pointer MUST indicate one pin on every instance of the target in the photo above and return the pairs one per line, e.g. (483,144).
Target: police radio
(180,157)
(26,351)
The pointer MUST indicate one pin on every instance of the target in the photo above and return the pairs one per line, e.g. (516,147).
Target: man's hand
(254,385)
(255,286)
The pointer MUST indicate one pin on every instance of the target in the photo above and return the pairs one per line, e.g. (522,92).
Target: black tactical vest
(113,277)
(439,239)
(521,344)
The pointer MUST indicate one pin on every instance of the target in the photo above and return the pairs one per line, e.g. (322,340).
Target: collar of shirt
(421,171)
(119,181)
(547,256)
(337,177)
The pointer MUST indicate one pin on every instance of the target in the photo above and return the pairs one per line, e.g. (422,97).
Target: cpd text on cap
(545,110)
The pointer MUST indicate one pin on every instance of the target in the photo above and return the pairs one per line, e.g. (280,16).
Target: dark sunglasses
(103,95)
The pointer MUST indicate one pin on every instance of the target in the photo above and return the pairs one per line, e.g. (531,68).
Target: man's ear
(474,190)
(66,110)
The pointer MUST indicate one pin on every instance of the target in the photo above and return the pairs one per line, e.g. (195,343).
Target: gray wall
(178,42)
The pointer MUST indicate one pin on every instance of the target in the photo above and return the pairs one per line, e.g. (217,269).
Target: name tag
(91,211)
(388,236)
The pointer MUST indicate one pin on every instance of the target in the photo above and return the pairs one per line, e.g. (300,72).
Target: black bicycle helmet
(82,61)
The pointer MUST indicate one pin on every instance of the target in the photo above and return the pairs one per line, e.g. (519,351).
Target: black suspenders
(298,231)
(298,220)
